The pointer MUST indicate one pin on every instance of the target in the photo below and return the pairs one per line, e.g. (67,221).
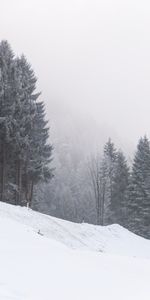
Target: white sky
(92,53)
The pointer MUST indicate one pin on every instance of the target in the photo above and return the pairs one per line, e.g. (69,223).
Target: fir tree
(139,200)
(25,110)
(120,190)
(39,155)
(25,153)
(6,109)
(107,178)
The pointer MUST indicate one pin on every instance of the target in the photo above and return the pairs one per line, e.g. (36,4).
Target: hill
(45,258)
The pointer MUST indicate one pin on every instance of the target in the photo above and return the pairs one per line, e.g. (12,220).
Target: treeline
(25,153)
(123,194)
(101,189)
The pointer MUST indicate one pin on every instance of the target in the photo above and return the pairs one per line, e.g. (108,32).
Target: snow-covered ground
(58,263)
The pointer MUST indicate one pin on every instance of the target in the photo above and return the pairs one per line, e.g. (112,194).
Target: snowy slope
(112,239)
(37,267)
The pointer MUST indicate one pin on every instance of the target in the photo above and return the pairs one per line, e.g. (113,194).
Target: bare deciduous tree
(96,168)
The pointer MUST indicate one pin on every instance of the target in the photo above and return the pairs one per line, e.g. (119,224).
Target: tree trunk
(29,192)
(18,183)
(102,206)
(3,179)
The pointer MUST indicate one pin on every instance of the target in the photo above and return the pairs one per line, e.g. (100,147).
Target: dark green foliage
(25,154)
(120,190)
(139,200)
(108,173)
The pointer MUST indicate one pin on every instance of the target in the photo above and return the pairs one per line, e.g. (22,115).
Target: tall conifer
(139,201)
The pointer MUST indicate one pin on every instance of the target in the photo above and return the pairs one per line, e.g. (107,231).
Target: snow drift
(37,261)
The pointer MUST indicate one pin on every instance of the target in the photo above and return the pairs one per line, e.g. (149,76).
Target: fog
(92,56)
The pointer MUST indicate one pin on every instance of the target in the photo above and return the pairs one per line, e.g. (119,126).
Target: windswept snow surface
(112,239)
(37,261)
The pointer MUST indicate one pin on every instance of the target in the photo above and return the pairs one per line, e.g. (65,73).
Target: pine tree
(25,153)
(25,111)
(6,109)
(108,170)
(120,190)
(139,200)
(39,155)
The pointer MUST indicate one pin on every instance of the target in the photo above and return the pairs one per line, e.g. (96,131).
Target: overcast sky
(92,53)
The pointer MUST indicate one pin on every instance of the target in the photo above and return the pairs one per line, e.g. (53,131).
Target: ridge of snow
(36,265)
(112,239)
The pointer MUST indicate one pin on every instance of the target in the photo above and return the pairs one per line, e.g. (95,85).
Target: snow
(67,261)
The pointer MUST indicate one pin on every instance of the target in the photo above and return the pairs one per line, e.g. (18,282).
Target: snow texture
(37,260)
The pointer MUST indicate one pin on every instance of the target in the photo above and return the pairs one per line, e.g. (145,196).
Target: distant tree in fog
(139,196)
(119,201)
(97,185)
(109,176)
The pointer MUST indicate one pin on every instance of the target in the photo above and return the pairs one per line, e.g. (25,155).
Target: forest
(61,180)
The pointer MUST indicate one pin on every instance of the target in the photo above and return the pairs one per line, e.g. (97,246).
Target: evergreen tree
(25,153)
(120,190)
(22,120)
(107,174)
(39,154)
(139,200)
(6,109)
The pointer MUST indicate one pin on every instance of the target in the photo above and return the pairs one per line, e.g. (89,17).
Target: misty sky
(92,53)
